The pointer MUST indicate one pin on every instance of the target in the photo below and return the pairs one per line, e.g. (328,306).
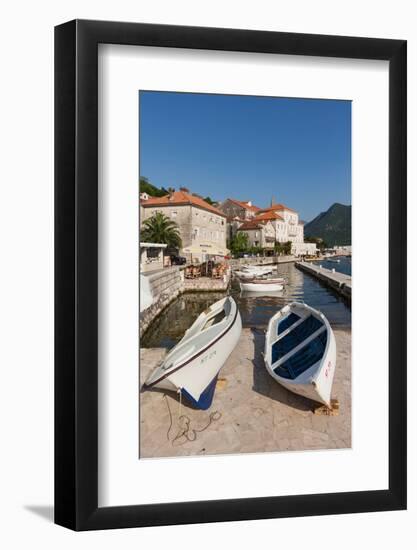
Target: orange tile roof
(269,215)
(277,207)
(251,224)
(180,198)
(245,205)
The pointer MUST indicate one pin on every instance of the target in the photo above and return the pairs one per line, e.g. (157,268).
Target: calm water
(255,308)
(344,266)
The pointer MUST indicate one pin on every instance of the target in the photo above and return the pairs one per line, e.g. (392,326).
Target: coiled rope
(185,431)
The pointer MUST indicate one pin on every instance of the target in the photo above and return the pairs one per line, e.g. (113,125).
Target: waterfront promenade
(256,413)
(339,282)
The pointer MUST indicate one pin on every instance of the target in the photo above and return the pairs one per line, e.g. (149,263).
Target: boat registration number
(207,357)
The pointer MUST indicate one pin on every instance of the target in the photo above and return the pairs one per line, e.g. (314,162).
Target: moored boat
(260,285)
(300,351)
(193,365)
(248,271)
(251,274)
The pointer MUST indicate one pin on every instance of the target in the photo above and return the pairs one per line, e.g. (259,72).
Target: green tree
(145,186)
(256,250)
(286,248)
(240,243)
(160,229)
(278,248)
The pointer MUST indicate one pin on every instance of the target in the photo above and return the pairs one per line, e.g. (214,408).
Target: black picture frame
(76,272)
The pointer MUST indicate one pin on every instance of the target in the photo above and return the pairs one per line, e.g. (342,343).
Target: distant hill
(333,226)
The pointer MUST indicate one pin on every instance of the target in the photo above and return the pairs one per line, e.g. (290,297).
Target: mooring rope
(185,430)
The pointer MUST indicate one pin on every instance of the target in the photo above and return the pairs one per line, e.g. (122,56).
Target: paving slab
(251,413)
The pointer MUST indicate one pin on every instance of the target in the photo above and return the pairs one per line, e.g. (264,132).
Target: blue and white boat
(192,366)
(300,351)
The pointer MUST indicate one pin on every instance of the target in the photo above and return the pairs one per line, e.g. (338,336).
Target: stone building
(287,224)
(202,226)
(260,233)
(243,210)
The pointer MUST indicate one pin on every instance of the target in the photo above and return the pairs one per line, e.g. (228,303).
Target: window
(152,252)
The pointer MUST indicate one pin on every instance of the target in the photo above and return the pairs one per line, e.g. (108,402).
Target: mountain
(333,226)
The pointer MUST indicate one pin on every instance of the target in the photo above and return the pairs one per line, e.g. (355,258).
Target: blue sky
(249,148)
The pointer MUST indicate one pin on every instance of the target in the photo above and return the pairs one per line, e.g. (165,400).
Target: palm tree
(160,229)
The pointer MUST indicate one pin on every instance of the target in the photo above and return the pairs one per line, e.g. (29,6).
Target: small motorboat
(300,351)
(334,261)
(261,285)
(192,366)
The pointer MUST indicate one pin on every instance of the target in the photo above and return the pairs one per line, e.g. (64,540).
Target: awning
(206,249)
(152,245)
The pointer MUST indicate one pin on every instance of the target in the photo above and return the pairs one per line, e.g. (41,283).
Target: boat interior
(297,342)
(199,334)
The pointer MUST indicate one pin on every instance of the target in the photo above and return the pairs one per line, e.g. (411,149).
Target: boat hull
(196,377)
(261,287)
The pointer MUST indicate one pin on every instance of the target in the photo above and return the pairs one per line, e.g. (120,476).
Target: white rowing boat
(193,365)
(300,351)
(260,285)
(251,274)
(254,271)
(258,268)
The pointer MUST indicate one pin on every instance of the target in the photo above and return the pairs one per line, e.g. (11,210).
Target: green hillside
(145,186)
(333,226)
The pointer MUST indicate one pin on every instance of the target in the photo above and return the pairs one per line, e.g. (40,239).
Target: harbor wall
(207,284)
(168,284)
(165,286)
(339,282)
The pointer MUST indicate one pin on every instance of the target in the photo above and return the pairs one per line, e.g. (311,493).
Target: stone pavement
(257,414)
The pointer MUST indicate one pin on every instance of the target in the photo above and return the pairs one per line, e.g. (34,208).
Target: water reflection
(255,308)
(167,329)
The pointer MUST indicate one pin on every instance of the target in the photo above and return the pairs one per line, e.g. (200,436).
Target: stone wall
(178,213)
(198,227)
(166,285)
(207,284)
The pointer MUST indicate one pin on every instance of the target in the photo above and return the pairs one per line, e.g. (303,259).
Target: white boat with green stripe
(300,351)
